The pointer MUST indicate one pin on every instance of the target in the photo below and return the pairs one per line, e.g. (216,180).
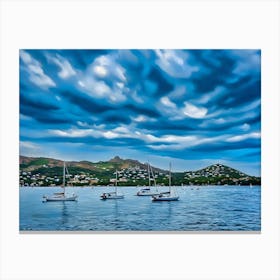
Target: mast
(155,183)
(149,175)
(116,181)
(63,185)
(170,177)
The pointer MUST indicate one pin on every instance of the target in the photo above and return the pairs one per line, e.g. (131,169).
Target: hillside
(47,171)
(32,164)
(220,174)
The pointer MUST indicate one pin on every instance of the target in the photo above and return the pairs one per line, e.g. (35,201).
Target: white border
(140,24)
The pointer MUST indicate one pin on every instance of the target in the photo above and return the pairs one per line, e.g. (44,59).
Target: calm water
(205,209)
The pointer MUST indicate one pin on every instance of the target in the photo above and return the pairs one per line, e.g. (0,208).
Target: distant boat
(167,196)
(61,196)
(115,194)
(148,191)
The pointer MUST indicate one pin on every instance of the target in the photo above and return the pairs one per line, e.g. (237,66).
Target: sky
(193,108)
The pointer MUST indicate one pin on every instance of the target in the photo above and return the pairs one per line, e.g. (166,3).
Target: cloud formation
(35,71)
(179,104)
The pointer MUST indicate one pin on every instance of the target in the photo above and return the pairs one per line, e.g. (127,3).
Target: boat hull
(165,198)
(111,196)
(51,199)
(146,194)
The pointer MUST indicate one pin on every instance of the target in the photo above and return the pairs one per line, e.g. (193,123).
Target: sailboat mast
(154,179)
(116,181)
(149,175)
(63,177)
(170,177)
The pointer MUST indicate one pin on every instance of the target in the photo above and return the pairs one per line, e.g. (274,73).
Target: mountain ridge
(116,159)
(133,172)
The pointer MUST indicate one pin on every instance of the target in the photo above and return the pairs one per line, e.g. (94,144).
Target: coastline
(143,186)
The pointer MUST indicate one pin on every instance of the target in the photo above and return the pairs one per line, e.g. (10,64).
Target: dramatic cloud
(66,69)
(35,71)
(193,111)
(181,105)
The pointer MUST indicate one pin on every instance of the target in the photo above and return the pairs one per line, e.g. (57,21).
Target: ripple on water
(206,209)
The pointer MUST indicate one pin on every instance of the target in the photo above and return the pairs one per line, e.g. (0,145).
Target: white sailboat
(148,191)
(115,194)
(61,196)
(171,195)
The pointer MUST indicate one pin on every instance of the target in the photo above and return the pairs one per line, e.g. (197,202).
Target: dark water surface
(207,208)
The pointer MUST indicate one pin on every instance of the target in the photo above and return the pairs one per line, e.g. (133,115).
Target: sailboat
(61,196)
(115,194)
(166,196)
(147,191)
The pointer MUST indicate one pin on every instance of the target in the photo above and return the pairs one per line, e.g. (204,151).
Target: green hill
(47,171)
(219,174)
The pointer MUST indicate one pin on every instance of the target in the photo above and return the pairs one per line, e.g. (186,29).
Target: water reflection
(64,213)
(210,208)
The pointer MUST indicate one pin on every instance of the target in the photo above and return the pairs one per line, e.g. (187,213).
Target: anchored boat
(61,196)
(115,194)
(148,191)
(171,195)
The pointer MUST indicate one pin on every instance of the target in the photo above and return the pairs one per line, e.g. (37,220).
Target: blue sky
(191,107)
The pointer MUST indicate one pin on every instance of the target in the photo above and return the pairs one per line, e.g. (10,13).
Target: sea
(199,209)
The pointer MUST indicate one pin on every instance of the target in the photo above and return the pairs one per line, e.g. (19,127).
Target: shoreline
(189,186)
